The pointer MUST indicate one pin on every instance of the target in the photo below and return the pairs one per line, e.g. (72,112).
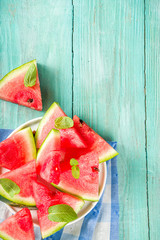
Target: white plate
(88,206)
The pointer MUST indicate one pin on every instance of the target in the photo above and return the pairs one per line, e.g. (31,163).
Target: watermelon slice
(70,138)
(12,88)
(87,185)
(48,159)
(23,177)
(54,166)
(46,196)
(18,149)
(18,226)
(94,141)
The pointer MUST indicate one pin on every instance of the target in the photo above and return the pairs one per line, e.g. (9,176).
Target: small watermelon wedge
(18,226)
(12,88)
(70,138)
(47,196)
(16,185)
(94,141)
(18,149)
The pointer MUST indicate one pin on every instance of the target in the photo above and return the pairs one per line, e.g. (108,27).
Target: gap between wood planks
(145,102)
(72,56)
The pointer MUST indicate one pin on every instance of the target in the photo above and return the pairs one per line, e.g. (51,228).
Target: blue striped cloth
(101,223)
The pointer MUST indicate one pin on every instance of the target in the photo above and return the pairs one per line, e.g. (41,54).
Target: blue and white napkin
(101,223)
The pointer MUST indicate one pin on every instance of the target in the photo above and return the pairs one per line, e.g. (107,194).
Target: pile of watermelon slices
(55,170)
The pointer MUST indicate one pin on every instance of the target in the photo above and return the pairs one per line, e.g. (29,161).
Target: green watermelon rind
(53,132)
(31,142)
(5,236)
(49,232)
(108,155)
(76,195)
(45,119)
(16,72)
(18,199)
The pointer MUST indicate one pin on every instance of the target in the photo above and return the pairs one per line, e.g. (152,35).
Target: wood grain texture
(152,40)
(42,30)
(109,94)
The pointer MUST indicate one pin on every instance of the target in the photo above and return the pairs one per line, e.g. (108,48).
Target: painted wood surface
(34,29)
(100,60)
(109,92)
(152,43)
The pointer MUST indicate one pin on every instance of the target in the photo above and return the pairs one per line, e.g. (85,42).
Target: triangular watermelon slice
(47,162)
(23,178)
(18,149)
(54,167)
(49,196)
(18,226)
(12,88)
(94,141)
(87,185)
(70,138)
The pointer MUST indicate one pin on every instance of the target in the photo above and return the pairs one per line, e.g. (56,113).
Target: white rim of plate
(101,190)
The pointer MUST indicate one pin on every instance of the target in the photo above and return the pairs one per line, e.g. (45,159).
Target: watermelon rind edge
(32,143)
(4,236)
(44,119)
(54,132)
(82,198)
(49,232)
(17,199)
(15,72)
(108,156)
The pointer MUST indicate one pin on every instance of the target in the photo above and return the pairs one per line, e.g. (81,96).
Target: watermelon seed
(81,121)
(34,132)
(30,100)
(95,169)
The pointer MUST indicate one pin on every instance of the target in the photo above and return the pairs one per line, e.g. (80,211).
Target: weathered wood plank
(42,30)
(109,94)
(152,40)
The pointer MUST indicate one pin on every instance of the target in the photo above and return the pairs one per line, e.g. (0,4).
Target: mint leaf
(73,162)
(9,186)
(75,172)
(30,76)
(63,122)
(61,213)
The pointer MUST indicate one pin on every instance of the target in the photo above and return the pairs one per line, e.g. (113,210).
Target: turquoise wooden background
(100,60)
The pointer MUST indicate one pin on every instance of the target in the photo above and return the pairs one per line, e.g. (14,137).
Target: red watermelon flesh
(70,138)
(49,169)
(87,185)
(47,162)
(18,149)
(46,197)
(94,141)
(23,177)
(12,88)
(18,226)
